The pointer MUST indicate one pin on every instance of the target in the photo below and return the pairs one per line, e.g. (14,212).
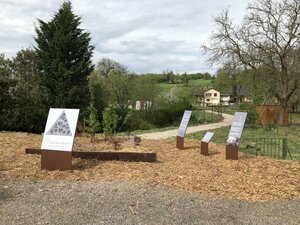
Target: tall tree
(106,65)
(27,112)
(101,80)
(24,65)
(267,42)
(119,87)
(100,95)
(229,78)
(6,82)
(64,54)
(169,76)
(144,88)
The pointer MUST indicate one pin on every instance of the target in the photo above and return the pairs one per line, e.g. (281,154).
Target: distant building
(243,94)
(212,97)
(224,99)
(139,105)
(199,95)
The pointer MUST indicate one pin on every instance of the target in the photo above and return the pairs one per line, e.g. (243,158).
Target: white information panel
(60,129)
(207,137)
(184,123)
(237,128)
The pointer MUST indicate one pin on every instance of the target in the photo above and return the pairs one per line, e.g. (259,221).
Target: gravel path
(172,133)
(24,201)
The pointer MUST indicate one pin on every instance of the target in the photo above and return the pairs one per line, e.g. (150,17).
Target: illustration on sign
(61,126)
(237,128)
(233,141)
(184,123)
(60,129)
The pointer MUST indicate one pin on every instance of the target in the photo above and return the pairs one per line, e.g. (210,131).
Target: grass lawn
(182,89)
(294,117)
(199,83)
(292,133)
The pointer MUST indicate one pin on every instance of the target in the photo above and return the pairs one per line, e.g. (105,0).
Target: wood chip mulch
(250,178)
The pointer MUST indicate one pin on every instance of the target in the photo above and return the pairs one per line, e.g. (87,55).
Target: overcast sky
(144,35)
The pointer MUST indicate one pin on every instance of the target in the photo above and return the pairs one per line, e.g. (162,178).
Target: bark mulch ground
(249,178)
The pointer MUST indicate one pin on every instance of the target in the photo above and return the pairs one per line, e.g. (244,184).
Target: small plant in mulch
(114,141)
(93,123)
(110,120)
(116,144)
(137,140)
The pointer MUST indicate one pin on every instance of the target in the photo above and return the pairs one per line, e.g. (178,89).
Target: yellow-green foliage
(110,120)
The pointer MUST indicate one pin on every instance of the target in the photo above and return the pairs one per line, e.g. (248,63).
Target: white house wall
(212,97)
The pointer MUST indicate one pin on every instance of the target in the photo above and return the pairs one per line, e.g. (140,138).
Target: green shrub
(197,118)
(272,127)
(144,125)
(169,114)
(252,117)
(245,106)
(110,120)
(93,123)
(124,116)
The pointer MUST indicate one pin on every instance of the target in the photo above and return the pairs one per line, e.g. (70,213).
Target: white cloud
(145,35)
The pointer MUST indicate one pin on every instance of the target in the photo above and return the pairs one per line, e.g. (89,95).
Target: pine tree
(64,54)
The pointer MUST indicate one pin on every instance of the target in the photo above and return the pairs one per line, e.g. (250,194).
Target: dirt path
(172,133)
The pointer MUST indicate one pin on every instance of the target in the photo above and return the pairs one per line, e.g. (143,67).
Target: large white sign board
(60,129)
(184,123)
(237,128)
(207,137)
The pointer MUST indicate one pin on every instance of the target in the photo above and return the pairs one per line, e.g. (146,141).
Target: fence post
(284,148)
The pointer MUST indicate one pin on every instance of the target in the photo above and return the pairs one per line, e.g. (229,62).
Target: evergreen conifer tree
(64,54)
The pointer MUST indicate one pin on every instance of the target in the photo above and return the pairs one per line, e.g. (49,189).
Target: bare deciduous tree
(267,41)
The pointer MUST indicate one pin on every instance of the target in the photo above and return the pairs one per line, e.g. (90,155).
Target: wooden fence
(268,114)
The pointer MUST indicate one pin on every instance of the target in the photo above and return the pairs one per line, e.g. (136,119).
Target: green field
(292,133)
(183,89)
(199,82)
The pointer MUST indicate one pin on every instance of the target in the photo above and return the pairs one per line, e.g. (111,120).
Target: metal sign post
(56,160)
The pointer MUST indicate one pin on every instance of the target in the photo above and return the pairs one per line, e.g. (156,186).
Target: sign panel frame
(236,129)
(184,123)
(60,129)
(207,137)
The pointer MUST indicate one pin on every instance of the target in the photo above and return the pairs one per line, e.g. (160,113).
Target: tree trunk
(283,106)
(234,93)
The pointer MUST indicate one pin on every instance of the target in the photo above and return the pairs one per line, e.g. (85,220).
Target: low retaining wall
(123,156)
